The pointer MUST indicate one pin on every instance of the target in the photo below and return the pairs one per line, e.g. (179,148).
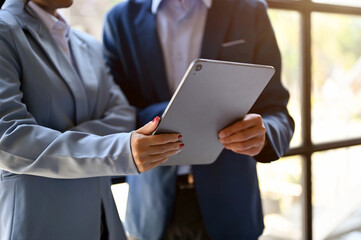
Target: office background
(315,191)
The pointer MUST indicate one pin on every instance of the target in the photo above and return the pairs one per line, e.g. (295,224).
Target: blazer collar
(16,7)
(57,58)
(83,61)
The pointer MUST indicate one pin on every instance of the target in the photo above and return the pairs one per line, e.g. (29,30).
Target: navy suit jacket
(227,190)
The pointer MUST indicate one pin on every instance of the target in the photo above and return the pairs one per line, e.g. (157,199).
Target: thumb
(148,128)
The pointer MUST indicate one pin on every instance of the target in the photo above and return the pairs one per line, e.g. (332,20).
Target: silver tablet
(212,95)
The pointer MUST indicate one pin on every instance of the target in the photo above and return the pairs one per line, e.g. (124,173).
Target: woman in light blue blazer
(64,130)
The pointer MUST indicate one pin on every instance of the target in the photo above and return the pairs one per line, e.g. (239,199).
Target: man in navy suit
(149,45)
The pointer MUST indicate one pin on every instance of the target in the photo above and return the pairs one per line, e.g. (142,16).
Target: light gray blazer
(60,134)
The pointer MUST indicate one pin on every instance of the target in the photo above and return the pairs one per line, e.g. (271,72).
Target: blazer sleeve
(29,148)
(272,104)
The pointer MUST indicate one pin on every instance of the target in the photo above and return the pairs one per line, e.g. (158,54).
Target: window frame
(305,8)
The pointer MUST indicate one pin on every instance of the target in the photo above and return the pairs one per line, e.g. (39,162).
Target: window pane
(287,28)
(281,191)
(337,194)
(336,67)
(356,3)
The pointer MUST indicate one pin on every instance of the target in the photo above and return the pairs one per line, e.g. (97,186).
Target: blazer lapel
(85,71)
(147,40)
(217,24)
(53,52)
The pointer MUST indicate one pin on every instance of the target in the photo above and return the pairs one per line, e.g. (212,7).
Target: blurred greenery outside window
(337,197)
(336,115)
(336,78)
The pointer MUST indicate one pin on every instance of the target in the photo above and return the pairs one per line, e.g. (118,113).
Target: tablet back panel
(212,95)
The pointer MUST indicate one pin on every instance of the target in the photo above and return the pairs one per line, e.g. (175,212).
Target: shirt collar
(56,24)
(156,3)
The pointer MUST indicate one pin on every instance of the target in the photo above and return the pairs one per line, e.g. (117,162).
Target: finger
(242,146)
(244,135)
(150,127)
(159,149)
(157,157)
(250,152)
(248,121)
(161,139)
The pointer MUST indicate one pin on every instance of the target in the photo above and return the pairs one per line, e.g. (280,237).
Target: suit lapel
(65,69)
(54,54)
(218,20)
(86,72)
(147,40)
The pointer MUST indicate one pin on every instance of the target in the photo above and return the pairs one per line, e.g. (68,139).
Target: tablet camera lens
(198,67)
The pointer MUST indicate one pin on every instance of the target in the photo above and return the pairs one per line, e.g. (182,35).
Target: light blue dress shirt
(180,43)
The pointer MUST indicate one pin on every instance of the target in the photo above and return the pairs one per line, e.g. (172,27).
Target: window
(281,182)
(316,186)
